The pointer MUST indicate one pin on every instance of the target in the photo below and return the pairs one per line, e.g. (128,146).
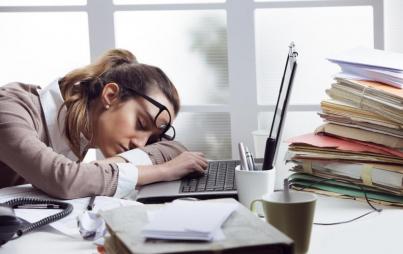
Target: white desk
(47,240)
(375,233)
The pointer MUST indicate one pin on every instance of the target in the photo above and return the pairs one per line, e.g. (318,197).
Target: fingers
(198,162)
(201,161)
(198,165)
(199,154)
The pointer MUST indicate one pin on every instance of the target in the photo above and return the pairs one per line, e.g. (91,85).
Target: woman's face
(129,124)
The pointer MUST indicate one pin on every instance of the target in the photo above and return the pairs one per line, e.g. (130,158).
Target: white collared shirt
(52,100)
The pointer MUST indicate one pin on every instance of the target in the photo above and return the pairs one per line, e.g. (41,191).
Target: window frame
(241,49)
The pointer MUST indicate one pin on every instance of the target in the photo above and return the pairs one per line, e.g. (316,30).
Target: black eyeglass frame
(161,109)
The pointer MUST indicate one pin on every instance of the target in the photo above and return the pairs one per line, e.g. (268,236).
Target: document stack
(370,64)
(361,141)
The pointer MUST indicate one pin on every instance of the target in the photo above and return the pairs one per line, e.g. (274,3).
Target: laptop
(219,178)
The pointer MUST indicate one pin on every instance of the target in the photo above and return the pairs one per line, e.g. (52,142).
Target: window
(165,1)
(177,40)
(190,46)
(225,57)
(317,32)
(42,2)
(38,47)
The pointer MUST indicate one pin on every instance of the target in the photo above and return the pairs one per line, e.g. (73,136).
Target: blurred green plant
(209,40)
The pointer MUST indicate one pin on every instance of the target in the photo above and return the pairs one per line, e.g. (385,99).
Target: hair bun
(120,56)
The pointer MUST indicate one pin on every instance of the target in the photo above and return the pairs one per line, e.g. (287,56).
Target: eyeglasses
(167,130)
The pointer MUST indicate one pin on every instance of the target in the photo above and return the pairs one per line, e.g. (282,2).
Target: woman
(116,104)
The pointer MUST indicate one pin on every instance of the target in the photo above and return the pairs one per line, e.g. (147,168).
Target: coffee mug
(252,185)
(292,213)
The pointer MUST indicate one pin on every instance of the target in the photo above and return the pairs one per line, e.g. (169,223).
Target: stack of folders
(361,140)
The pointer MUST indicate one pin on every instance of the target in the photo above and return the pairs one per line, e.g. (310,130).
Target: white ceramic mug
(253,185)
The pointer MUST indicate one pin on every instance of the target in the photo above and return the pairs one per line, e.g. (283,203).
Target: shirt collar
(52,100)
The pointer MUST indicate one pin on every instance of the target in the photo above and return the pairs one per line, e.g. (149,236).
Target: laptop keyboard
(219,176)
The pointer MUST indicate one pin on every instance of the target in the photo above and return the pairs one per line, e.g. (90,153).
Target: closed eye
(141,125)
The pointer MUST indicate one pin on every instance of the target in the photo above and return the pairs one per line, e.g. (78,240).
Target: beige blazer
(26,157)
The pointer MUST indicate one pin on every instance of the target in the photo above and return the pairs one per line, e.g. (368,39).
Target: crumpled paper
(91,225)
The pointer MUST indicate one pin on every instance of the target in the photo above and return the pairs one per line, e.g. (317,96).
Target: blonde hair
(81,86)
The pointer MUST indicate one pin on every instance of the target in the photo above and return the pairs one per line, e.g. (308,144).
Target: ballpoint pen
(242,153)
(250,160)
(90,205)
(253,162)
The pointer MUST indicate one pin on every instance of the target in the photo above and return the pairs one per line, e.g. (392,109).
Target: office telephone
(11,225)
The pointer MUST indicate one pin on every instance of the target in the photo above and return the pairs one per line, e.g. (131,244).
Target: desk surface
(375,233)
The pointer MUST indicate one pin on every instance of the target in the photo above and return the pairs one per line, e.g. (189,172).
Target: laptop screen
(281,108)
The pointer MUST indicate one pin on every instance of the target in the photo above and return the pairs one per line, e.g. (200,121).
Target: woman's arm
(58,176)
(171,161)
(22,150)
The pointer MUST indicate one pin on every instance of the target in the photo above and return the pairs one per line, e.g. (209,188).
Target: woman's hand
(183,164)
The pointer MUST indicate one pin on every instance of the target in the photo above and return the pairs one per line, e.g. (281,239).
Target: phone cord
(50,204)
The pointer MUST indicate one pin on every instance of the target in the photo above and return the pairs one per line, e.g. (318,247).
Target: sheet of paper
(370,57)
(352,71)
(188,220)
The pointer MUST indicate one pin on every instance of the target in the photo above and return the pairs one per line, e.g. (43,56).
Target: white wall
(394,25)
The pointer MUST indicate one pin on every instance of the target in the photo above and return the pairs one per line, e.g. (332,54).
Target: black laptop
(219,178)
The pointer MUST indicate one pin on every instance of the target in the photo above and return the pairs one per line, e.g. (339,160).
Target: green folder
(303,180)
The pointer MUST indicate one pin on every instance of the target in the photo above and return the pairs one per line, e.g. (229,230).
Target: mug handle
(252,205)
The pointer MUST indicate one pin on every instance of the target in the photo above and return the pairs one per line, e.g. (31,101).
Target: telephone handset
(11,225)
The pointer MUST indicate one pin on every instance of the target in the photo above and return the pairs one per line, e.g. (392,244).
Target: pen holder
(253,185)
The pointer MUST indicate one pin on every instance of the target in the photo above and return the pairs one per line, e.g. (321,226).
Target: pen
(244,165)
(90,205)
(253,162)
(249,159)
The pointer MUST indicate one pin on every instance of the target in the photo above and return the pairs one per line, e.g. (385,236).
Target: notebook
(219,178)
